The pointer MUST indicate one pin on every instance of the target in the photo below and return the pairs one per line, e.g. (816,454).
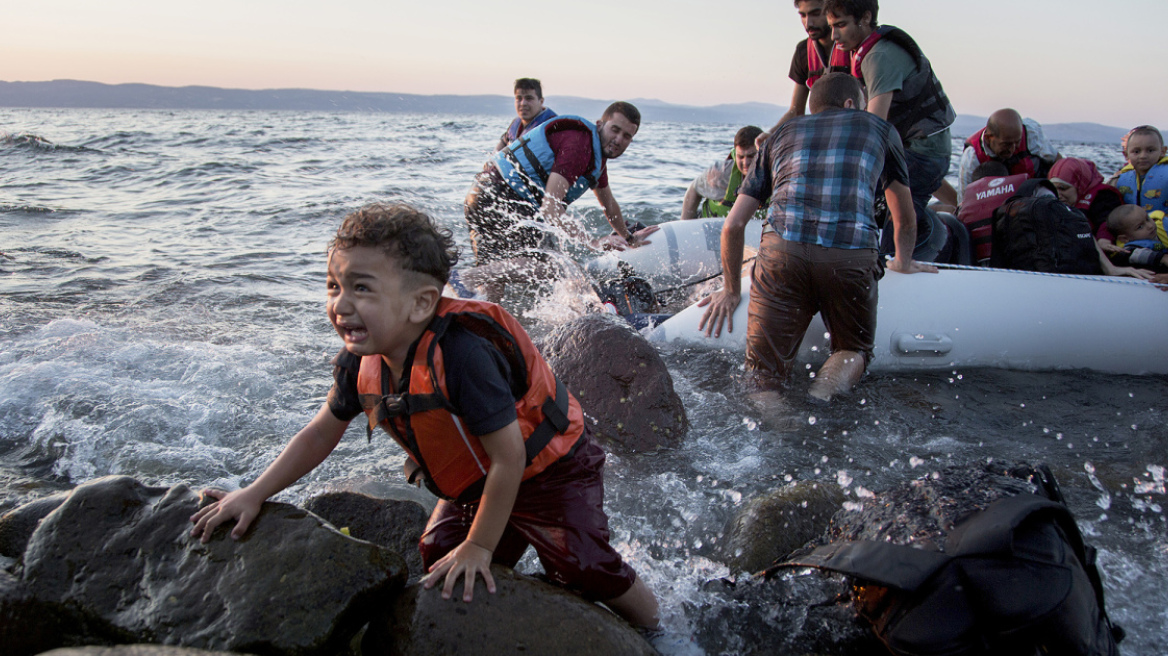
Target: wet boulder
(771,526)
(621,382)
(121,551)
(524,616)
(396,525)
(18,524)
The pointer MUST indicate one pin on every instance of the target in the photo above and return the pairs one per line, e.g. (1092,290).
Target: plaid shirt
(822,172)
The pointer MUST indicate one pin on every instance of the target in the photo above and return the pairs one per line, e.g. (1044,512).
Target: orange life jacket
(427,425)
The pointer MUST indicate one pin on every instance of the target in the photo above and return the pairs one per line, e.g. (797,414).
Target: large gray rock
(122,552)
(18,524)
(29,625)
(770,527)
(620,380)
(394,524)
(524,616)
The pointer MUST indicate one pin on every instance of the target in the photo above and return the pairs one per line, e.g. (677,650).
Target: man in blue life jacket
(530,110)
(903,90)
(712,193)
(533,180)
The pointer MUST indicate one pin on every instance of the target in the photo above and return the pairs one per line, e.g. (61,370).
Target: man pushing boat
(819,251)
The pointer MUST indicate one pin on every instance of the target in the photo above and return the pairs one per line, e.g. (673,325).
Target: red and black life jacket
(978,203)
(427,425)
(816,68)
(1022,162)
(921,108)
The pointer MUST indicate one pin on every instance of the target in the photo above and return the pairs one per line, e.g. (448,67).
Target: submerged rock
(524,616)
(18,524)
(620,380)
(396,525)
(122,552)
(136,650)
(788,613)
(772,526)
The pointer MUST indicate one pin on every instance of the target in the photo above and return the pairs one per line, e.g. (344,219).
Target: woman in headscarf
(1080,185)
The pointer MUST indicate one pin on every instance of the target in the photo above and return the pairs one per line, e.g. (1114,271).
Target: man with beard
(814,57)
(532,181)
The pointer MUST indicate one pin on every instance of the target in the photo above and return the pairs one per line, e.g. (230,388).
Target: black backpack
(1043,234)
(1014,579)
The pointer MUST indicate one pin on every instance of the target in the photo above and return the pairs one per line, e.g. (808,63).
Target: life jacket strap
(555,421)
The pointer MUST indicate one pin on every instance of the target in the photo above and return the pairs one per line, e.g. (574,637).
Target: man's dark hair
(530,83)
(990,168)
(404,233)
(833,90)
(854,8)
(625,109)
(745,137)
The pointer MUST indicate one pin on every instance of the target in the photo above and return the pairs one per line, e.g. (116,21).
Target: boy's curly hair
(403,232)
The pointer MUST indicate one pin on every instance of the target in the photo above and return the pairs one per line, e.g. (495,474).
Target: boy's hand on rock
(467,560)
(236,505)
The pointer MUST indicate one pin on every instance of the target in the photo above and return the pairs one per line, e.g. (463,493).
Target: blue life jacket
(526,163)
(1150,191)
(517,128)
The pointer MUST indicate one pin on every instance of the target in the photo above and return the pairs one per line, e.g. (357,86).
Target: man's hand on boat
(911,266)
(722,305)
(618,243)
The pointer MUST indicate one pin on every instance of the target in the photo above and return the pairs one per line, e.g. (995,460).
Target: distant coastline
(79,94)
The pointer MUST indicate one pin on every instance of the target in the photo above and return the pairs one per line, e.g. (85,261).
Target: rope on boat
(1123,280)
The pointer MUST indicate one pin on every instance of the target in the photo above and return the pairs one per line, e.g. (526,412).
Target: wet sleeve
(799,67)
(477,378)
(573,152)
(343,400)
(895,166)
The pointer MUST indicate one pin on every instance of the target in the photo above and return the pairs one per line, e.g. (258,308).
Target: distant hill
(80,94)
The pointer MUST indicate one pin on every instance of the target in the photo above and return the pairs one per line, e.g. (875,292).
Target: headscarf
(1079,173)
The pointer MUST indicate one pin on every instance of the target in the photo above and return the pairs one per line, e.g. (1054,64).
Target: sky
(1058,61)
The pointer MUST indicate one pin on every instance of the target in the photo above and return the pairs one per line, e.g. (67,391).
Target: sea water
(161,316)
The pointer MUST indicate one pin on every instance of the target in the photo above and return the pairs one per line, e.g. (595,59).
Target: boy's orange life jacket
(427,425)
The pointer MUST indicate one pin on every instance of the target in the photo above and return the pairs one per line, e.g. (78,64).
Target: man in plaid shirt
(819,253)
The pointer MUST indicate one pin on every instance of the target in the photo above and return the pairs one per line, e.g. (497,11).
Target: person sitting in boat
(530,110)
(486,425)
(902,89)
(1016,142)
(1144,180)
(820,253)
(1080,185)
(712,194)
(1141,236)
(989,188)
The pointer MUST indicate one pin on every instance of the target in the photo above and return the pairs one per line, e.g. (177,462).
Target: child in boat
(478,410)
(1141,235)
(1144,180)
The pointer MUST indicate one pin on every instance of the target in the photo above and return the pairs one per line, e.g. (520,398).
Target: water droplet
(811,420)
